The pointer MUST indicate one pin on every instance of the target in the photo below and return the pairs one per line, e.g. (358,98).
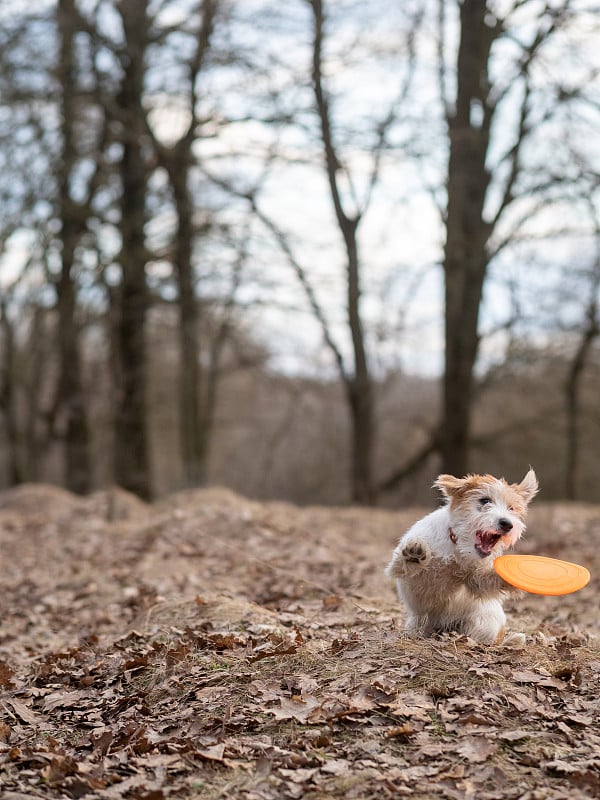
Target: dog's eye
(484,501)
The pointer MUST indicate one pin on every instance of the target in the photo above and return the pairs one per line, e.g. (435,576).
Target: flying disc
(541,575)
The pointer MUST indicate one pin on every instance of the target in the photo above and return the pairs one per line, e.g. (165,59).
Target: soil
(209,646)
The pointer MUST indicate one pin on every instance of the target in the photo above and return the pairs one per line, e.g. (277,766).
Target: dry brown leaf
(5,731)
(400,732)
(475,748)
(301,775)
(414,706)
(514,736)
(527,676)
(7,674)
(332,602)
(24,712)
(295,707)
(336,766)
(581,719)
(214,752)
(59,768)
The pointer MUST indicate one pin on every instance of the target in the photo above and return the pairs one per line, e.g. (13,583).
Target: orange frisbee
(541,575)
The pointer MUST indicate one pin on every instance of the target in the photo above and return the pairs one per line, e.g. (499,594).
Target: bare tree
(465,257)
(132,457)
(70,404)
(178,160)
(25,184)
(481,193)
(349,210)
(358,383)
(8,384)
(588,334)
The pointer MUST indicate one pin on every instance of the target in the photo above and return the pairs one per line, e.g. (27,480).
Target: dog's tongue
(485,541)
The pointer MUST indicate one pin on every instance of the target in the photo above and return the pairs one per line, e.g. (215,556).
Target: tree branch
(332,163)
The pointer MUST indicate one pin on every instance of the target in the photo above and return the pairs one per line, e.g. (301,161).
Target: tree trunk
(7,397)
(465,256)
(359,385)
(361,418)
(192,430)
(195,421)
(132,465)
(360,388)
(70,401)
(572,395)
(37,423)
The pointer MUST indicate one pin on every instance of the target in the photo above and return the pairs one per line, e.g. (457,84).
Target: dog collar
(452,535)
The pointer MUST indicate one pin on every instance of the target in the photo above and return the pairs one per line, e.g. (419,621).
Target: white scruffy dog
(444,565)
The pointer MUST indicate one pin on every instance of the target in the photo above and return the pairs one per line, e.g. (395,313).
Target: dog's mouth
(485,541)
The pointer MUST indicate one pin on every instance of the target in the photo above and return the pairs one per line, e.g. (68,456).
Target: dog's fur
(444,565)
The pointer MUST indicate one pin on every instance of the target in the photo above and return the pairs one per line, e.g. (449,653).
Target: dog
(444,565)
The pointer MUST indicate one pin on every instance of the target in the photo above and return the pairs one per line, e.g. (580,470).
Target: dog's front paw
(416,553)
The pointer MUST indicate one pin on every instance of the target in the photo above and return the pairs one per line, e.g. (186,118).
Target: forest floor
(208,646)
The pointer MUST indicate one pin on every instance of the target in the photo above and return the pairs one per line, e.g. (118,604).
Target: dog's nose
(505,525)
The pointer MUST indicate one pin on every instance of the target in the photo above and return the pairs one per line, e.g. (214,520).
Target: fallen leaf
(213,753)
(336,766)
(295,707)
(64,699)
(6,675)
(24,712)
(268,650)
(59,768)
(301,775)
(514,736)
(332,602)
(400,732)
(21,796)
(475,748)
(552,683)
(474,718)
(527,676)
(580,719)
(101,741)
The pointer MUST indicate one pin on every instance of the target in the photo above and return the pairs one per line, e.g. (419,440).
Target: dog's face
(486,513)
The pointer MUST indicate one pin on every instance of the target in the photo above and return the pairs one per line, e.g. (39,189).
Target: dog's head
(486,514)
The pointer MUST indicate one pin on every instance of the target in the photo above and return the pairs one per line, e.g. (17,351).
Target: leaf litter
(213,647)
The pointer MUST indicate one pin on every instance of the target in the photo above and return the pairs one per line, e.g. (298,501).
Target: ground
(211,647)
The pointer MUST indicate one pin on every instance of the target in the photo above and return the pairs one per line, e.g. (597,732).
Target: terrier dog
(444,565)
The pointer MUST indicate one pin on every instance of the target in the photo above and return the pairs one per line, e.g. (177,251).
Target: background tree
(27,199)
(587,335)
(178,160)
(8,383)
(70,402)
(132,465)
(485,190)
(358,383)
(336,151)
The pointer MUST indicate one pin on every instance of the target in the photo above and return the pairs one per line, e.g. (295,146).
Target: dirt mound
(114,504)
(208,645)
(34,498)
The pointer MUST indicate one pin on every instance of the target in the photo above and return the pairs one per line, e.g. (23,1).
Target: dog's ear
(528,488)
(450,486)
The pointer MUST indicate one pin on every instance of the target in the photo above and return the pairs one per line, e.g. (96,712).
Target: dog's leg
(416,553)
(484,585)
(417,625)
(407,558)
(487,624)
